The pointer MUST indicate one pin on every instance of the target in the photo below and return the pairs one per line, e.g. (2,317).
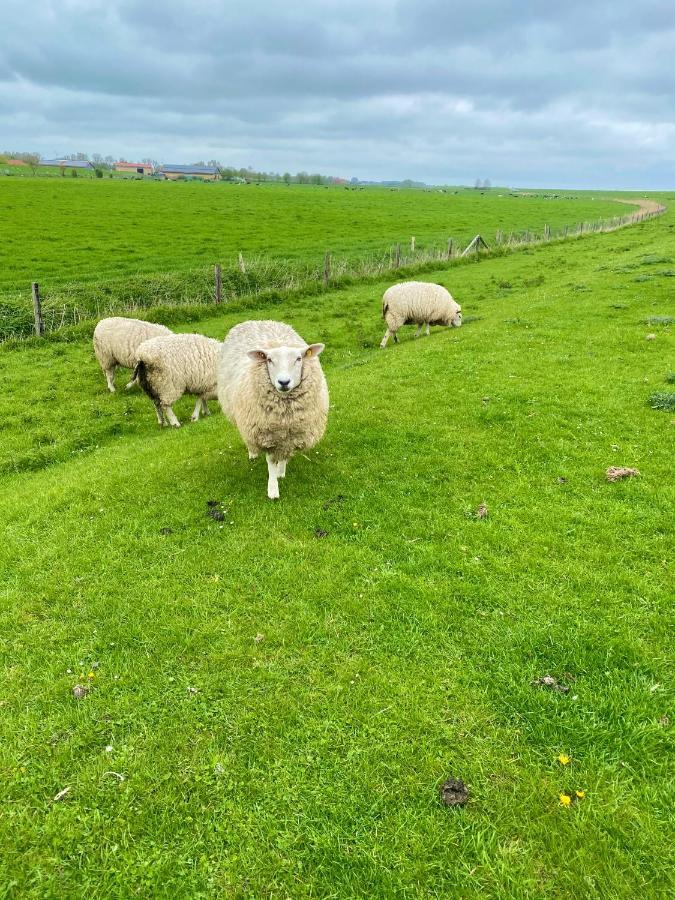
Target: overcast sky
(566,94)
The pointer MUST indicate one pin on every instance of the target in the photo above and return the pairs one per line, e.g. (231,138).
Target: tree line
(230,173)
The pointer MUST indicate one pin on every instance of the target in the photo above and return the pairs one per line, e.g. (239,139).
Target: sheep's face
(456,320)
(284,364)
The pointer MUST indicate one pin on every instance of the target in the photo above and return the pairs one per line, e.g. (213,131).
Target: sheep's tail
(134,379)
(385,307)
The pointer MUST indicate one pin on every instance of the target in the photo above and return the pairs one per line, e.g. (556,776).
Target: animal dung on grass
(454,792)
(548,681)
(616,473)
(481,512)
(80,691)
(214,509)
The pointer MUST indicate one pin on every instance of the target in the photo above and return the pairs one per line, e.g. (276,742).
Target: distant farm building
(205,173)
(67,163)
(132,168)
(15,162)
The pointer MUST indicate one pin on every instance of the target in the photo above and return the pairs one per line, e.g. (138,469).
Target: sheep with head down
(418,303)
(272,387)
(176,364)
(116,342)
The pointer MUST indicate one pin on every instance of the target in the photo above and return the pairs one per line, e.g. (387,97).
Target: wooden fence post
(397,258)
(547,233)
(242,264)
(219,282)
(326,269)
(412,244)
(449,248)
(37,310)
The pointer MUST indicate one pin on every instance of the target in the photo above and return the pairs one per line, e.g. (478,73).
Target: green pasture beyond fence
(39,310)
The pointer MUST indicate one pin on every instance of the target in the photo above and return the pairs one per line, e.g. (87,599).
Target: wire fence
(251,279)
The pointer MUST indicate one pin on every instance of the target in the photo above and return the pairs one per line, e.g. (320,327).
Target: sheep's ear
(258,354)
(315,349)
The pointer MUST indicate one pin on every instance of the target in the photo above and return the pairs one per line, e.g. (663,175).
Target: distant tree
(96,158)
(478,185)
(33,160)
(99,172)
(109,161)
(73,173)
(214,162)
(287,177)
(487,183)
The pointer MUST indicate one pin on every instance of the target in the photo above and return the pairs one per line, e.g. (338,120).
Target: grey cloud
(576,93)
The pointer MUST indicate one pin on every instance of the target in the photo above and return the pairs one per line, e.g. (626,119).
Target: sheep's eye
(299,359)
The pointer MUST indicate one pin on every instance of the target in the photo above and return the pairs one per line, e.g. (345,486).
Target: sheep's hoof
(252,455)
(194,418)
(273,495)
(176,425)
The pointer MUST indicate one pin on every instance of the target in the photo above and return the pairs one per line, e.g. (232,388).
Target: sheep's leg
(110,377)
(387,335)
(170,416)
(419,329)
(158,410)
(272,483)
(427,330)
(195,414)
(281,468)
(252,454)
(395,333)
(205,407)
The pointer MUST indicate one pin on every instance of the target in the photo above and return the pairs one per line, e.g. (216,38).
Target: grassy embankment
(277,696)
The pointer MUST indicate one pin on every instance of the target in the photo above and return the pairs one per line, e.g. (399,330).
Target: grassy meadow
(98,247)
(275,695)
(59,230)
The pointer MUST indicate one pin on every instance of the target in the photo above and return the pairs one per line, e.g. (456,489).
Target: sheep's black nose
(284,382)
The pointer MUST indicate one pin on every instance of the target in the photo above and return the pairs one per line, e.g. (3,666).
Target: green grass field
(276,697)
(63,230)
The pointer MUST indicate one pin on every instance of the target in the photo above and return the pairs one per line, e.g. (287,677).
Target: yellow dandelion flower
(564,759)
(91,675)
(565,799)
(580,794)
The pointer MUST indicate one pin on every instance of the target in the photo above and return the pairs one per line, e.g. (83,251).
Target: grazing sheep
(177,364)
(418,303)
(272,387)
(116,341)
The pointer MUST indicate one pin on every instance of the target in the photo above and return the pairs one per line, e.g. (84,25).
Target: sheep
(419,303)
(176,364)
(116,341)
(272,387)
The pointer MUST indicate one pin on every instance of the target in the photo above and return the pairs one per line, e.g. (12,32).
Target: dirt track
(642,204)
